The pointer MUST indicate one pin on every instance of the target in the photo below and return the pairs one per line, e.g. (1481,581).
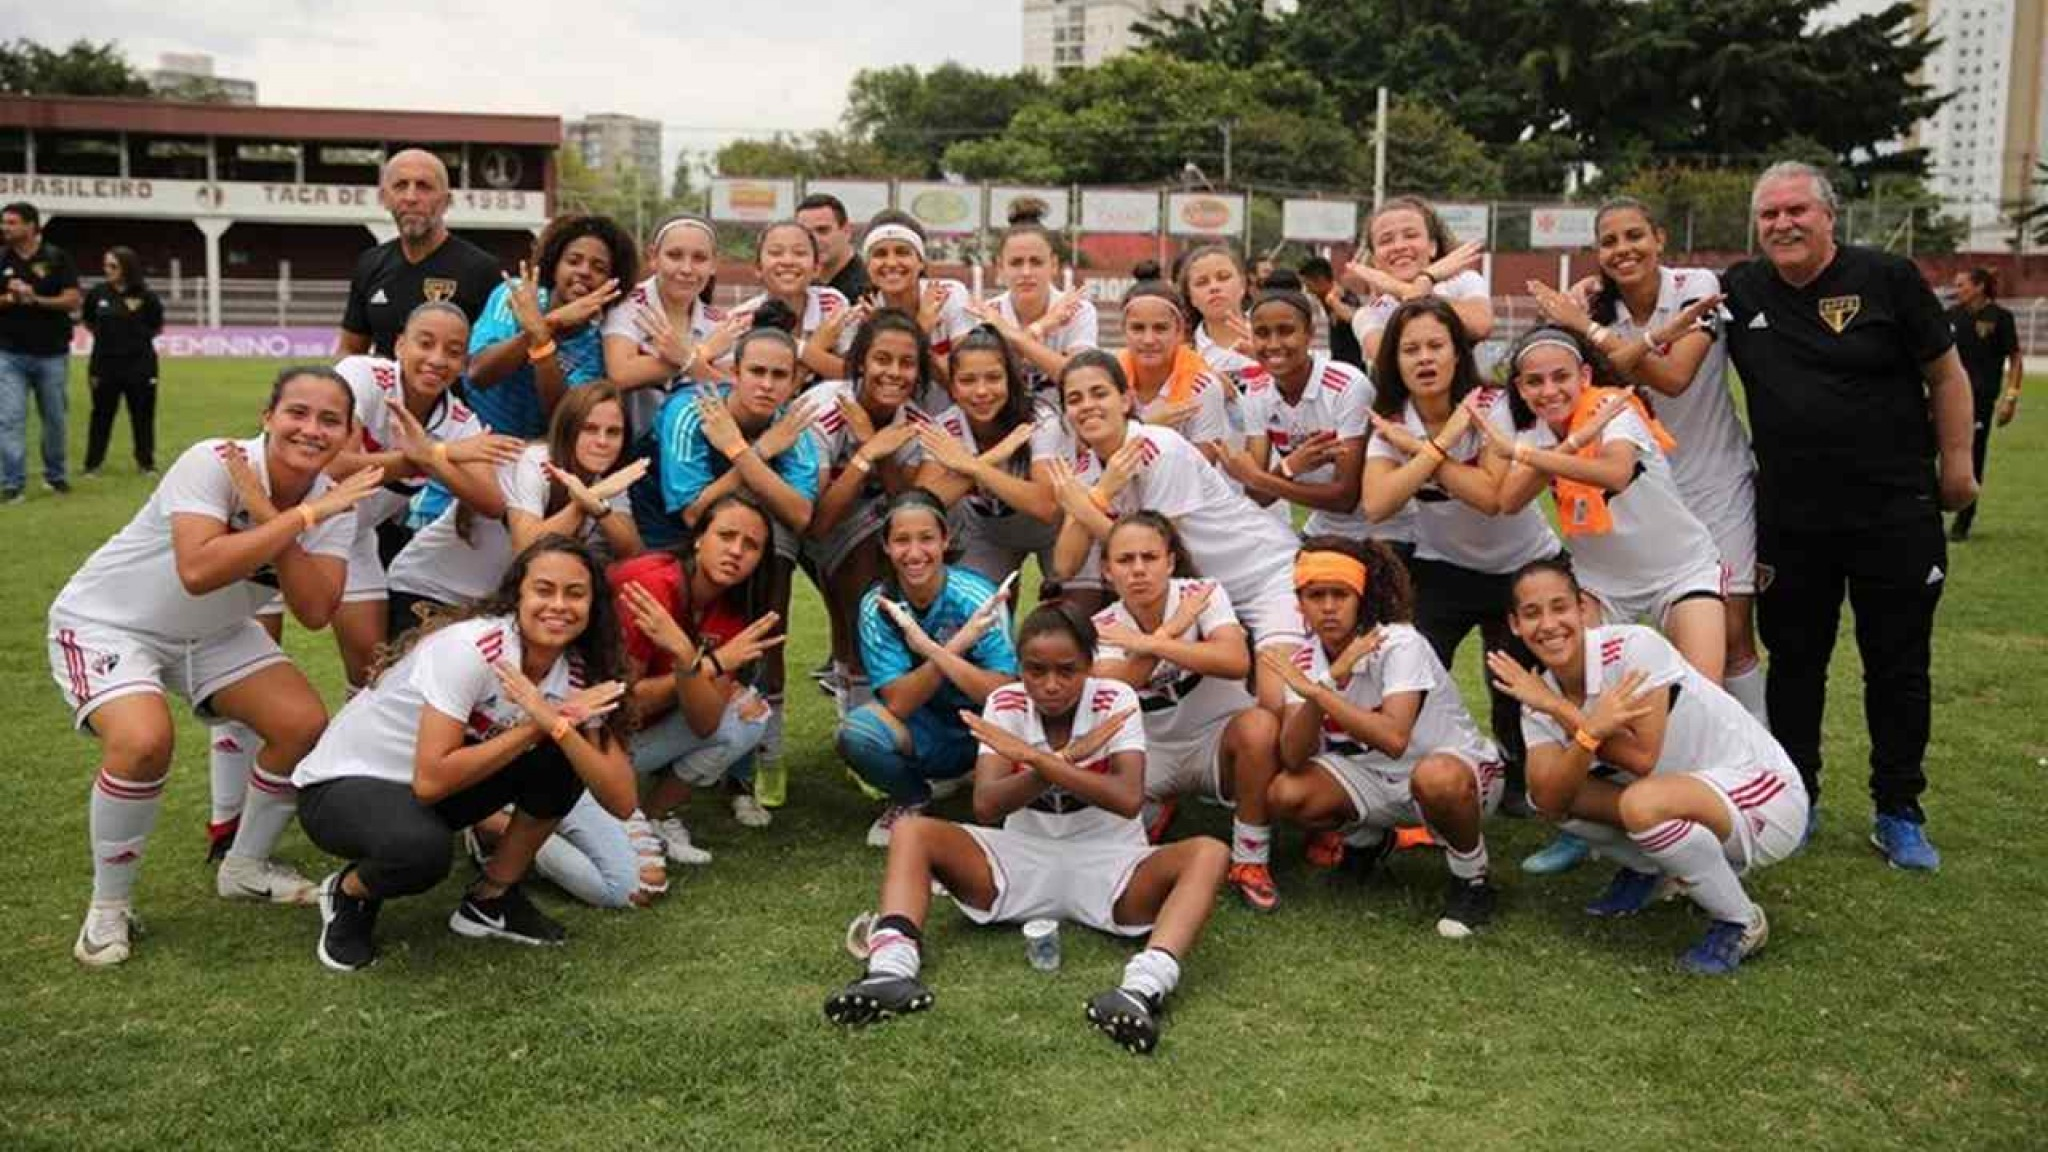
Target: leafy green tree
(911,117)
(1428,153)
(83,69)
(821,153)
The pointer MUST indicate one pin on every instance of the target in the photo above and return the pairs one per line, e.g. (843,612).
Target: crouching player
(1652,762)
(1062,763)
(1376,735)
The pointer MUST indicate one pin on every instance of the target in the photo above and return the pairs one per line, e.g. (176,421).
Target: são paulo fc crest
(103,663)
(440,289)
(1985,328)
(1837,311)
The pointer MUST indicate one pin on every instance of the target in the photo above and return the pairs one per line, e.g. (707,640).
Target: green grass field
(1890,1010)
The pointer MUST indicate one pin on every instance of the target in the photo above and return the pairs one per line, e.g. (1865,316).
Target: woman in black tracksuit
(124,316)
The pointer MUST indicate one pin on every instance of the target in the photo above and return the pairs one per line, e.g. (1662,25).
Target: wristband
(1286,469)
(1586,740)
(711,656)
(440,452)
(862,464)
(311,517)
(1430,445)
(1521,453)
(540,352)
(1100,501)
(562,728)
(1596,335)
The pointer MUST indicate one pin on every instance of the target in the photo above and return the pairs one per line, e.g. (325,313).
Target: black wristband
(715,665)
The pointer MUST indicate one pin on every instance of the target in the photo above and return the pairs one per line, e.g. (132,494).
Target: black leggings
(1449,602)
(110,385)
(400,846)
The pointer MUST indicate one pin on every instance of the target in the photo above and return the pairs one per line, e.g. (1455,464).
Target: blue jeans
(669,745)
(21,375)
(938,751)
(590,857)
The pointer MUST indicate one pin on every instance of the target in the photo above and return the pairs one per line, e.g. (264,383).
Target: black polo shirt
(1834,374)
(1985,339)
(124,325)
(386,287)
(852,280)
(32,329)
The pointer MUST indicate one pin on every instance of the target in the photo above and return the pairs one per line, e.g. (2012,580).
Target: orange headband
(1329,568)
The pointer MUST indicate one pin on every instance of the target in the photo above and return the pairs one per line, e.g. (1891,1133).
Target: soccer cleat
(1812,825)
(748,811)
(1904,844)
(1254,885)
(1467,909)
(1158,817)
(220,837)
(1562,854)
(1323,849)
(877,997)
(103,938)
(506,916)
(1726,945)
(1129,1018)
(347,928)
(245,878)
(878,832)
(1628,893)
(675,841)
(1414,836)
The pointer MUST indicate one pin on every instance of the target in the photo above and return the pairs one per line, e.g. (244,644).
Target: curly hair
(1389,593)
(562,231)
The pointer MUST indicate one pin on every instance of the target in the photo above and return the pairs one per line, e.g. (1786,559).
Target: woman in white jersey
(513,701)
(1042,324)
(1376,735)
(1658,326)
(168,605)
(1171,385)
(1061,763)
(665,331)
(1633,748)
(1175,639)
(786,256)
(1213,281)
(1119,466)
(1426,458)
(988,458)
(893,248)
(574,483)
(1410,254)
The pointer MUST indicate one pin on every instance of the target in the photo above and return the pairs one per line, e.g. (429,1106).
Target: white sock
(268,808)
(1153,972)
(1466,866)
(1747,686)
(892,951)
(122,814)
(1250,843)
(1611,843)
(1693,853)
(233,753)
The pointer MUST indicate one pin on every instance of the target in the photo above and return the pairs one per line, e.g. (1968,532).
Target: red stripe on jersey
(385,377)
(1103,700)
(1147,452)
(1099,767)
(714,315)
(1278,437)
(831,421)
(1764,797)
(956,426)
(1610,650)
(915,415)
(370,443)
(1106,616)
(480,722)
(1336,380)
(1487,398)
(458,414)
(1755,791)
(1304,658)
(74,664)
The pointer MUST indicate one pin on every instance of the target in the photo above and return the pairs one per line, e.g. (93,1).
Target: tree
(83,69)
(1234,33)
(2032,213)
(820,153)
(911,117)
(1428,153)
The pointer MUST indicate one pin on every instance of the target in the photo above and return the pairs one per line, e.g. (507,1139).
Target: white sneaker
(748,811)
(640,831)
(103,937)
(878,832)
(675,840)
(245,878)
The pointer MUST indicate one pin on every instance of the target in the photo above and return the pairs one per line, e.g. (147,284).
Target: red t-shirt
(661,574)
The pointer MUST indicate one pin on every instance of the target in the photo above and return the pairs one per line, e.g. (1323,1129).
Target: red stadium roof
(262,121)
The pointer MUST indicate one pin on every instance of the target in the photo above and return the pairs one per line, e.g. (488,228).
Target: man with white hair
(423,262)
(1859,411)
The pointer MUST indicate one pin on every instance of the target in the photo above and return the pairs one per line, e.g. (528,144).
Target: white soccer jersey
(1708,729)
(644,404)
(1009,527)
(378,730)
(1713,451)
(1404,662)
(375,381)
(1082,330)
(1655,541)
(1180,705)
(1335,399)
(1450,530)
(834,438)
(132,582)
(821,303)
(1059,814)
(1372,316)
(439,564)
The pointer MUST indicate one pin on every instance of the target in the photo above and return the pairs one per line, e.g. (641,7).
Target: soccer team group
(556,543)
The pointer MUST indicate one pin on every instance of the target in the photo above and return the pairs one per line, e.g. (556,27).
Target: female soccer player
(1175,639)
(933,641)
(1041,327)
(988,458)
(513,701)
(665,331)
(1171,384)
(1657,326)
(1626,736)
(1376,735)
(786,255)
(893,248)
(169,604)
(1213,281)
(1635,545)
(1412,255)
(1123,466)
(1061,762)
(538,336)
(575,484)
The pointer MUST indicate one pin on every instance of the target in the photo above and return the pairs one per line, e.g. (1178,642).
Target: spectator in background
(125,318)
(839,266)
(1319,280)
(38,291)
(424,262)
(1989,343)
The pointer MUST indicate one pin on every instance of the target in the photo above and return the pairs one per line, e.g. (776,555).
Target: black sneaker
(1129,1018)
(60,487)
(507,916)
(347,927)
(877,997)
(1467,909)
(1362,860)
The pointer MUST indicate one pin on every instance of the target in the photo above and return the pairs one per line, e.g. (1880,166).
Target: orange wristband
(561,729)
(1101,502)
(309,516)
(1586,740)
(540,352)
(441,451)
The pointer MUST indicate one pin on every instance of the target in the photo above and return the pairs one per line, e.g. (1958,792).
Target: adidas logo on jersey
(378,297)
(1757,321)
(1935,574)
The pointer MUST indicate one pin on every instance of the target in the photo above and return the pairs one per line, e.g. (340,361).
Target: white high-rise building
(609,141)
(1064,34)
(1987,141)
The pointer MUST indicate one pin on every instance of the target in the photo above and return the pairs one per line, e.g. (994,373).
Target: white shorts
(1730,517)
(1184,767)
(1705,579)
(1768,810)
(1380,792)
(1273,616)
(1042,877)
(365,570)
(93,663)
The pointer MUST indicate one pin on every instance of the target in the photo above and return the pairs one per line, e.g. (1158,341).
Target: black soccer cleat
(507,916)
(1129,1018)
(1468,907)
(877,997)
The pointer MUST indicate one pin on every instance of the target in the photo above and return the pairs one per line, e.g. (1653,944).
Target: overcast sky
(708,69)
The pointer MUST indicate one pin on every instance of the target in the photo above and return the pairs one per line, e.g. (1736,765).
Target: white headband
(1557,341)
(683,222)
(883,232)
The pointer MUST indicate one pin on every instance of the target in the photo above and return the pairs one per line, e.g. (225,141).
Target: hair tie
(684,222)
(1553,338)
(1329,568)
(882,232)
